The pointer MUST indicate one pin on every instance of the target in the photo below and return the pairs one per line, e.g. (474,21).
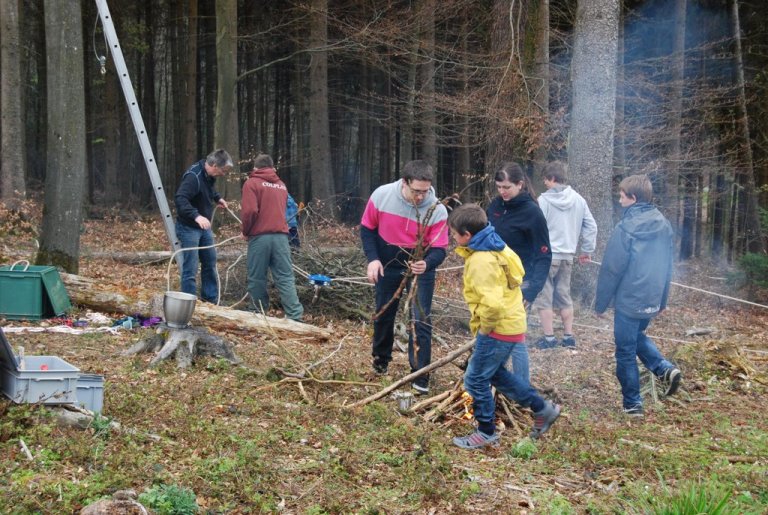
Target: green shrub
(697,499)
(755,268)
(102,426)
(170,500)
(524,449)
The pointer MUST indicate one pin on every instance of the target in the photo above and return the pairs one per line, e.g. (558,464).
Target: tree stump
(123,502)
(185,345)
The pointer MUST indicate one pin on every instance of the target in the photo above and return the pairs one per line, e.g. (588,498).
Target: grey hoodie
(568,216)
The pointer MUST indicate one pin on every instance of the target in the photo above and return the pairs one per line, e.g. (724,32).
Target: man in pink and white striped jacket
(394,218)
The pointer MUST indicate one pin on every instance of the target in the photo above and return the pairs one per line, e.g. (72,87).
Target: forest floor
(246,442)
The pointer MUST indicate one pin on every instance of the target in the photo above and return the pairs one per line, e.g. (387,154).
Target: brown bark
(226,126)
(12,160)
(541,84)
(427,83)
(590,151)
(323,189)
(114,190)
(189,107)
(65,181)
(96,294)
(672,195)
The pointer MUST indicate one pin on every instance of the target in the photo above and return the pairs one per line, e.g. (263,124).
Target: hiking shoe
(544,343)
(421,387)
(568,341)
(543,420)
(634,411)
(671,378)
(380,367)
(476,440)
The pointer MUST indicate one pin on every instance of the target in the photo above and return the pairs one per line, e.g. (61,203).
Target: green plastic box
(31,292)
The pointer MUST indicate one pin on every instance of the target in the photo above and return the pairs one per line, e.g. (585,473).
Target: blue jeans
(420,351)
(485,369)
(520,362)
(632,343)
(196,237)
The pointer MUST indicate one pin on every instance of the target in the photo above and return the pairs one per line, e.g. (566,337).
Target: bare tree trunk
(700,222)
(226,128)
(746,177)
(146,91)
(302,135)
(672,196)
(381,84)
(427,82)
(189,151)
(619,142)
(735,240)
(13,165)
(208,74)
(541,83)
(66,167)
(33,70)
(498,139)
(590,154)
(719,203)
(113,103)
(319,126)
(688,225)
(408,116)
(465,150)
(365,141)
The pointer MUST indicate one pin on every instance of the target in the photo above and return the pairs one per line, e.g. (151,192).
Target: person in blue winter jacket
(635,276)
(195,199)
(518,220)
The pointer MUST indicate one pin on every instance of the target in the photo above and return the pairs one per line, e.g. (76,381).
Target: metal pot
(178,308)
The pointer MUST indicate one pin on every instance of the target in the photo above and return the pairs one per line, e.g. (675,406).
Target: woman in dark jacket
(519,221)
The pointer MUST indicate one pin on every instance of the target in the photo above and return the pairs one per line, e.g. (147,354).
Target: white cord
(708,292)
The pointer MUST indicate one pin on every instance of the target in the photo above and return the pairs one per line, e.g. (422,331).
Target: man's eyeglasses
(418,193)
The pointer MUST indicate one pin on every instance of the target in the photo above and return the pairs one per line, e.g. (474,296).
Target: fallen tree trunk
(97,295)
(153,256)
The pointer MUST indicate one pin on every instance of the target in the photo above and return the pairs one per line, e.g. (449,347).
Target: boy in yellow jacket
(492,277)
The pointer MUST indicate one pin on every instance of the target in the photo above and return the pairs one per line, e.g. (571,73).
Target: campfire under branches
(454,406)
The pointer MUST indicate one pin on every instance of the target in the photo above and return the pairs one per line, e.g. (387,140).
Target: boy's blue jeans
(632,343)
(383,327)
(486,368)
(196,237)
(520,362)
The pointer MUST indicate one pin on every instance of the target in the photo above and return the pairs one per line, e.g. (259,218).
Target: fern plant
(170,500)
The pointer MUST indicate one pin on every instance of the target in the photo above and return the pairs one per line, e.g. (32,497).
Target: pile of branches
(454,406)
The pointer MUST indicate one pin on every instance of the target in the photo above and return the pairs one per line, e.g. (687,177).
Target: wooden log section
(113,298)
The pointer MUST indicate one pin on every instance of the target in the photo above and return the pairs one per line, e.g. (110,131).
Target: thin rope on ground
(358,279)
(709,292)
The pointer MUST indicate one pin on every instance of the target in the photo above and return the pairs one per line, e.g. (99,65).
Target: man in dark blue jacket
(195,199)
(635,275)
